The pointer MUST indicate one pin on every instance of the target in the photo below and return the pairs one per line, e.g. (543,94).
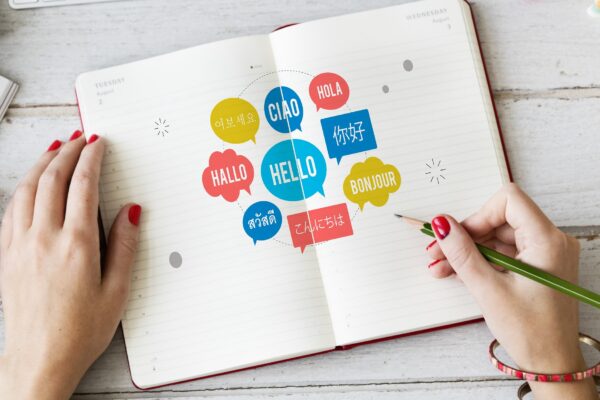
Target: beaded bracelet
(532,376)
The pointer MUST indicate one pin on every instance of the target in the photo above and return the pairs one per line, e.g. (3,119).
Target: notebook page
(415,71)
(204,298)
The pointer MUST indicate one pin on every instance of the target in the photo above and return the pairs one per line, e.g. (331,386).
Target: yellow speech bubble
(371,181)
(234,120)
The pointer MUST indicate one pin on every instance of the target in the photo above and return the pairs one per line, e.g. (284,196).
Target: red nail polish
(441,226)
(93,138)
(55,145)
(430,245)
(77,134)
(134,214)
(433,263)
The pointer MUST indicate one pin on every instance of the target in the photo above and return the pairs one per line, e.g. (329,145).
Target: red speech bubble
(320,225)
(329,91)
(227,174)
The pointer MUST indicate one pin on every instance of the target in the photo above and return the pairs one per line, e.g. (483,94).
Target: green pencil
(519,267)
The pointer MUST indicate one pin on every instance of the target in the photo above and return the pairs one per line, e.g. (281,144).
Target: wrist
(579,390)
(35,381)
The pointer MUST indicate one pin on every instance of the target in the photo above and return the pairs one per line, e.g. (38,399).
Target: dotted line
(271,73)
(223,143)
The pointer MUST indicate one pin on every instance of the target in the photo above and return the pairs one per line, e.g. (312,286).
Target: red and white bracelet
(532,376)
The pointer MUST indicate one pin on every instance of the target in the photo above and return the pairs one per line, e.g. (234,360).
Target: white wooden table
(544,64)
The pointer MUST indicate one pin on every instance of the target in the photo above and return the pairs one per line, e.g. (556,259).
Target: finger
(440,269)
(509,206)
(52,189)
(25,195)
(506,233)
(122,246)
(465,258)
(500,246)
(434,251)
(6,228)
(82,199)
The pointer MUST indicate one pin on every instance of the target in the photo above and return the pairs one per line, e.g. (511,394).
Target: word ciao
(371,181)
(294,170)
(283,109)
(227,174)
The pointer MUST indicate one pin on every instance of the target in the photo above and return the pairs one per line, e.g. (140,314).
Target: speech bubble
(371,181)
(319,225)
(234,120)
(262,221)
(348,134)
(294,170)
(283,109)
(329,91)
(227,174)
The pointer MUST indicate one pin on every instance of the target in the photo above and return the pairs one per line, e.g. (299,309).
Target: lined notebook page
(230,304)
(437,115)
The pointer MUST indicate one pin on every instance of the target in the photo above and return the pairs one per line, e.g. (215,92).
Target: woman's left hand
(61,309)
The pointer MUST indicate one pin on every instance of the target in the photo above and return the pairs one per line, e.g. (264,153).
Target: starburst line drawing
(161,127)
(435,171)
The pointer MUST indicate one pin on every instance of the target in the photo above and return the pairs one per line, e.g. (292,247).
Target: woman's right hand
(538,326)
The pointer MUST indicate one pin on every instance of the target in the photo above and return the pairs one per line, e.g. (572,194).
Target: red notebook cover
(351,346)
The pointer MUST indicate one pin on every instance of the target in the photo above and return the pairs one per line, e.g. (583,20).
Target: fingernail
(93,138)
(75,135)
(430,245)
(441,226)
(433,263)
(55,145)
(134,214)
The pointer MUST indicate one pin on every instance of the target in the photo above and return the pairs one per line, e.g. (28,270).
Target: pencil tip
(398,215)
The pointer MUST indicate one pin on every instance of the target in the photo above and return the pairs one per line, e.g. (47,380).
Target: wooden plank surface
(529,45)
(544,64)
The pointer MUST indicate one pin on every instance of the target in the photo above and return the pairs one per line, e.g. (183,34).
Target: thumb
(464,257)
(120,254)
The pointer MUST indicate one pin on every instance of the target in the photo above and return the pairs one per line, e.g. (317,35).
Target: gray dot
(385,88)
(408,65)
(175,259)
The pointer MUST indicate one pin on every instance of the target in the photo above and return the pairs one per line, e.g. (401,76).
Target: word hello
(283,172)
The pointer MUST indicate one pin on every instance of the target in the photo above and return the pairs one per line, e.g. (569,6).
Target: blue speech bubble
(348,134)
(262,221)
(294,170)
(283,109)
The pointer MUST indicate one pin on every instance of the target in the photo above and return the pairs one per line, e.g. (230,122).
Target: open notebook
(269,169)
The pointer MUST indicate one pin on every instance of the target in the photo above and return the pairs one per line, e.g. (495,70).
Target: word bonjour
(371,181)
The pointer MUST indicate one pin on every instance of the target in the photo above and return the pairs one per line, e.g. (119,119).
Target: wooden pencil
(521,268)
